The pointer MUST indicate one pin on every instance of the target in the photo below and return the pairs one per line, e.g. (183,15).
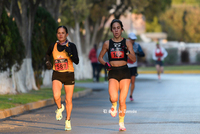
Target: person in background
(100,66)
(93,58)
(119,78)
(159,54)
(64,55)
(133,65)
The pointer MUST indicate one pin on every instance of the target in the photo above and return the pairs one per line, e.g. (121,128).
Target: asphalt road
(171,106)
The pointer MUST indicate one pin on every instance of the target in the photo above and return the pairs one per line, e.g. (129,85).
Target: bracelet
(128,52)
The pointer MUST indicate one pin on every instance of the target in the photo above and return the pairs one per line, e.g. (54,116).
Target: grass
(9,101)
(186,67)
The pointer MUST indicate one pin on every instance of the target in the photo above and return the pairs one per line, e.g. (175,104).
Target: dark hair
(116,20)
(62,27)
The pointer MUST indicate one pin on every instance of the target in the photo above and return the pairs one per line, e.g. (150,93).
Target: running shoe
(121,126)
(113,111)
(59,112)
(131,98)
(68,125)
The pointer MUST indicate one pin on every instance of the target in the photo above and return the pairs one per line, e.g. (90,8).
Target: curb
(39,104)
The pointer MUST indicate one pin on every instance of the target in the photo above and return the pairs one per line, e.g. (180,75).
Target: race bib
(117,54)
(61,64)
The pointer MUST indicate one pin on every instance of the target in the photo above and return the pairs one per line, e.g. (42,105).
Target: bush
(198,57)
(172,57)
(185,56)
(11,45)
(44,34)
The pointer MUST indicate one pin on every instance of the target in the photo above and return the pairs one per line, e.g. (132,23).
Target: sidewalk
(39,104)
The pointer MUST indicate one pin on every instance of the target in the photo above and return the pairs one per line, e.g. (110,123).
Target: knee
(122,102)
(113,99)
(56,96)
(68,101)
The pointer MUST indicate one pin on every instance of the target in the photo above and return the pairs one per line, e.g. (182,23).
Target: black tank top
(117,50)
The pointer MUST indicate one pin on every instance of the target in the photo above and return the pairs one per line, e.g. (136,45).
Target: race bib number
(61,64)
(117,54)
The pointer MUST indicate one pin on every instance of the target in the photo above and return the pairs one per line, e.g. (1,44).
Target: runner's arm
(140,51)
(102,53)
(131,53)
(49,52)
(74,52)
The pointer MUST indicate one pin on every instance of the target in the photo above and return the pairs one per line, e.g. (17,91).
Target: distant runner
(133,65)
(159,54)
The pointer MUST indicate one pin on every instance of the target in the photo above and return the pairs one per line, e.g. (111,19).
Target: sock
(114,104)
(121,119)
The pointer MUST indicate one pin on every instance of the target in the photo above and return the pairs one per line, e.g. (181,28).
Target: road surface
(171,106)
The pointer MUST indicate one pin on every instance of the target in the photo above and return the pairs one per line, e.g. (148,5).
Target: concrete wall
(192,48)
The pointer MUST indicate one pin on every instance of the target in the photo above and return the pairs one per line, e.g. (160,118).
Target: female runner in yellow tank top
(64,54)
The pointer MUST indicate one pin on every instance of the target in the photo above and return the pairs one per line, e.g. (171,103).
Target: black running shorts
(119,73)
(159,63)
(67,78)
(133,71)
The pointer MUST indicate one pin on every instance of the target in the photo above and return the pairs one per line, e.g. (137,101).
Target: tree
(182,23)
(44,34)
(153,26)
(87,20)
(1,7)
(11,45)
(52,6)
(24,12)
(155,8)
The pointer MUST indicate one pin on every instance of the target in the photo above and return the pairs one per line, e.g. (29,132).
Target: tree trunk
(95,31)
(6,86)
(47,75)
(82,70)
(52,6)
(87,35)
(1,7)
(24,79)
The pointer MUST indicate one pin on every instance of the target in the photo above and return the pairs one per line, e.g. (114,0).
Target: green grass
(188,67)
(9,101)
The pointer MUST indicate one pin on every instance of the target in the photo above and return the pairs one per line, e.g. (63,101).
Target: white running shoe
(113,111)
(68,125)
(121,126)
(59,112)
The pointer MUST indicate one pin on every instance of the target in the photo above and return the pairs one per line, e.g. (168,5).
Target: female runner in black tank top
(118,49)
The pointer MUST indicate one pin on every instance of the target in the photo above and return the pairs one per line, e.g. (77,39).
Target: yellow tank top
(62,62)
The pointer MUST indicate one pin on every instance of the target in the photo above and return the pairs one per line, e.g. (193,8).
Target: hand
(48,64)
(108,66)
(136,53)
(68,50)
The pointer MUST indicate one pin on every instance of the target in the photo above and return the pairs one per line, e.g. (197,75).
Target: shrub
(11,45)
(185,56)
(198,57)
(172,57)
